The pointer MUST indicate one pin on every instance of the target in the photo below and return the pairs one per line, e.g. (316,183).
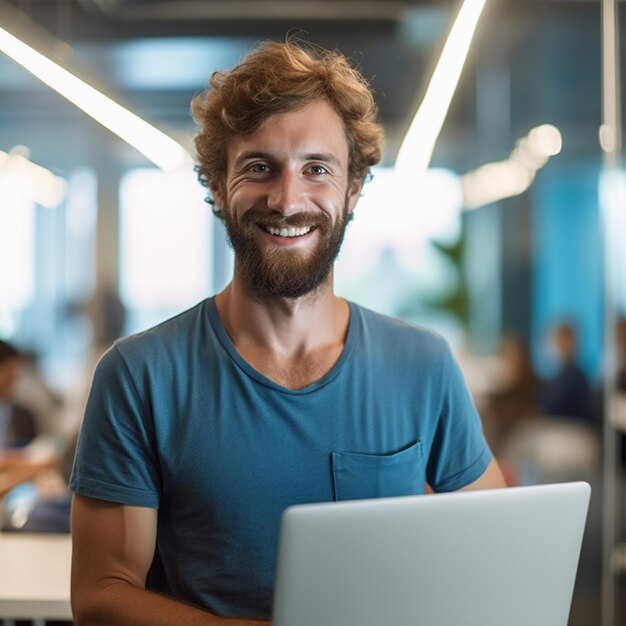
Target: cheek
(244,196)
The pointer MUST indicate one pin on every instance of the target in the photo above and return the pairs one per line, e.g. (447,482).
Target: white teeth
(288,232)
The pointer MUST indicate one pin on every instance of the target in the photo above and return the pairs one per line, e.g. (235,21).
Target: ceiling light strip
(419,142)
(162,150)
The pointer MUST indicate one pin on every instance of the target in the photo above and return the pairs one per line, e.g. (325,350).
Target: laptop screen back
(482,558)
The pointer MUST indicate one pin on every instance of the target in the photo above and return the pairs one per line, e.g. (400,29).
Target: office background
(120,231)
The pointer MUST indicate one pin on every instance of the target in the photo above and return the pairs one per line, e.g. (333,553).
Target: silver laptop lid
(505,557)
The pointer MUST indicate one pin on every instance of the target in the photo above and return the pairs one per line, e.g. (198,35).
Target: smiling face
(286,201)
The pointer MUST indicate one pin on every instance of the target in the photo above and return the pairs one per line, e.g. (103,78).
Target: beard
(275,272)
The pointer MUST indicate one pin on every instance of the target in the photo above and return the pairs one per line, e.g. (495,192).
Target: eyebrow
(320,156)
(266,156)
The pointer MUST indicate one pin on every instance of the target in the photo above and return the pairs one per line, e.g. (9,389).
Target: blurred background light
(40,185)
(512,177)
(418,144)
(162,150)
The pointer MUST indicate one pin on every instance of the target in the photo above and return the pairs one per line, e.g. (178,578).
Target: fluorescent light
(608,138)
(513,176)
(547,139)
(418,144)
(495,181)
(150,141)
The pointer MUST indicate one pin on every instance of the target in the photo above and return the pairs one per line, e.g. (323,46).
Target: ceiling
(533,61)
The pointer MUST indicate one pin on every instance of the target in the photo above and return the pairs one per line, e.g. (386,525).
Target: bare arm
(113,546)
(491,478)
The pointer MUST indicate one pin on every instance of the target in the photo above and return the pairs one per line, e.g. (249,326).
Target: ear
(354,193)
(218,195)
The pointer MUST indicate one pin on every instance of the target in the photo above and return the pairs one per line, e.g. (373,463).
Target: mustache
(278,220)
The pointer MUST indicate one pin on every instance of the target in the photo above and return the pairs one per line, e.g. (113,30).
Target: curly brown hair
(278,78)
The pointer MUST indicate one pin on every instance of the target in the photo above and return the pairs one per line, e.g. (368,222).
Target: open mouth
(290,231)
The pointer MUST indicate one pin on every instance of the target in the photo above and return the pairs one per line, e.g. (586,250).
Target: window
(165,245)
(17,251)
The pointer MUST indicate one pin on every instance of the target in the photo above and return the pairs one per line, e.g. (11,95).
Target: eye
(259,168)
(317,169)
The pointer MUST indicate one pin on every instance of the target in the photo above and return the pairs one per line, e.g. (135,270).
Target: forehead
(313,129)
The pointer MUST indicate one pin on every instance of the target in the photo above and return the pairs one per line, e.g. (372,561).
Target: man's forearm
(121,604)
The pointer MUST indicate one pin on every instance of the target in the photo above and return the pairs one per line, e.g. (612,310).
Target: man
(200,432)
(568,393)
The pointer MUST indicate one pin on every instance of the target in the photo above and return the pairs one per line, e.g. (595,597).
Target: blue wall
(567,263)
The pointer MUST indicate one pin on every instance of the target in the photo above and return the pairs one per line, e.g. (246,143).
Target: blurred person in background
(35,461)
(515,400)
(550,430)
(568,393)
(18,425)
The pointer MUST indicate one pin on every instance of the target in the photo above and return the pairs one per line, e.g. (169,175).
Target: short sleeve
(460,454)
(116,457)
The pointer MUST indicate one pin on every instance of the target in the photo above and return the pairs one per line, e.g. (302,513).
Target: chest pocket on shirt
(358,476)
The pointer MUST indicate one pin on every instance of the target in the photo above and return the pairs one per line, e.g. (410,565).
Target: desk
(35,576)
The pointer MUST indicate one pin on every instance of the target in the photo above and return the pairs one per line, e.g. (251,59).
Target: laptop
(504,557)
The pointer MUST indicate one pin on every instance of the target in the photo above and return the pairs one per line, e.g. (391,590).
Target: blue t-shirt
(178,420)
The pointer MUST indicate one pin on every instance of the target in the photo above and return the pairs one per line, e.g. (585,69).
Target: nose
(286,194)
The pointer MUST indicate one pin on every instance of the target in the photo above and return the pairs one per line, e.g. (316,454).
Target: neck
(293,342)
(283,325)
